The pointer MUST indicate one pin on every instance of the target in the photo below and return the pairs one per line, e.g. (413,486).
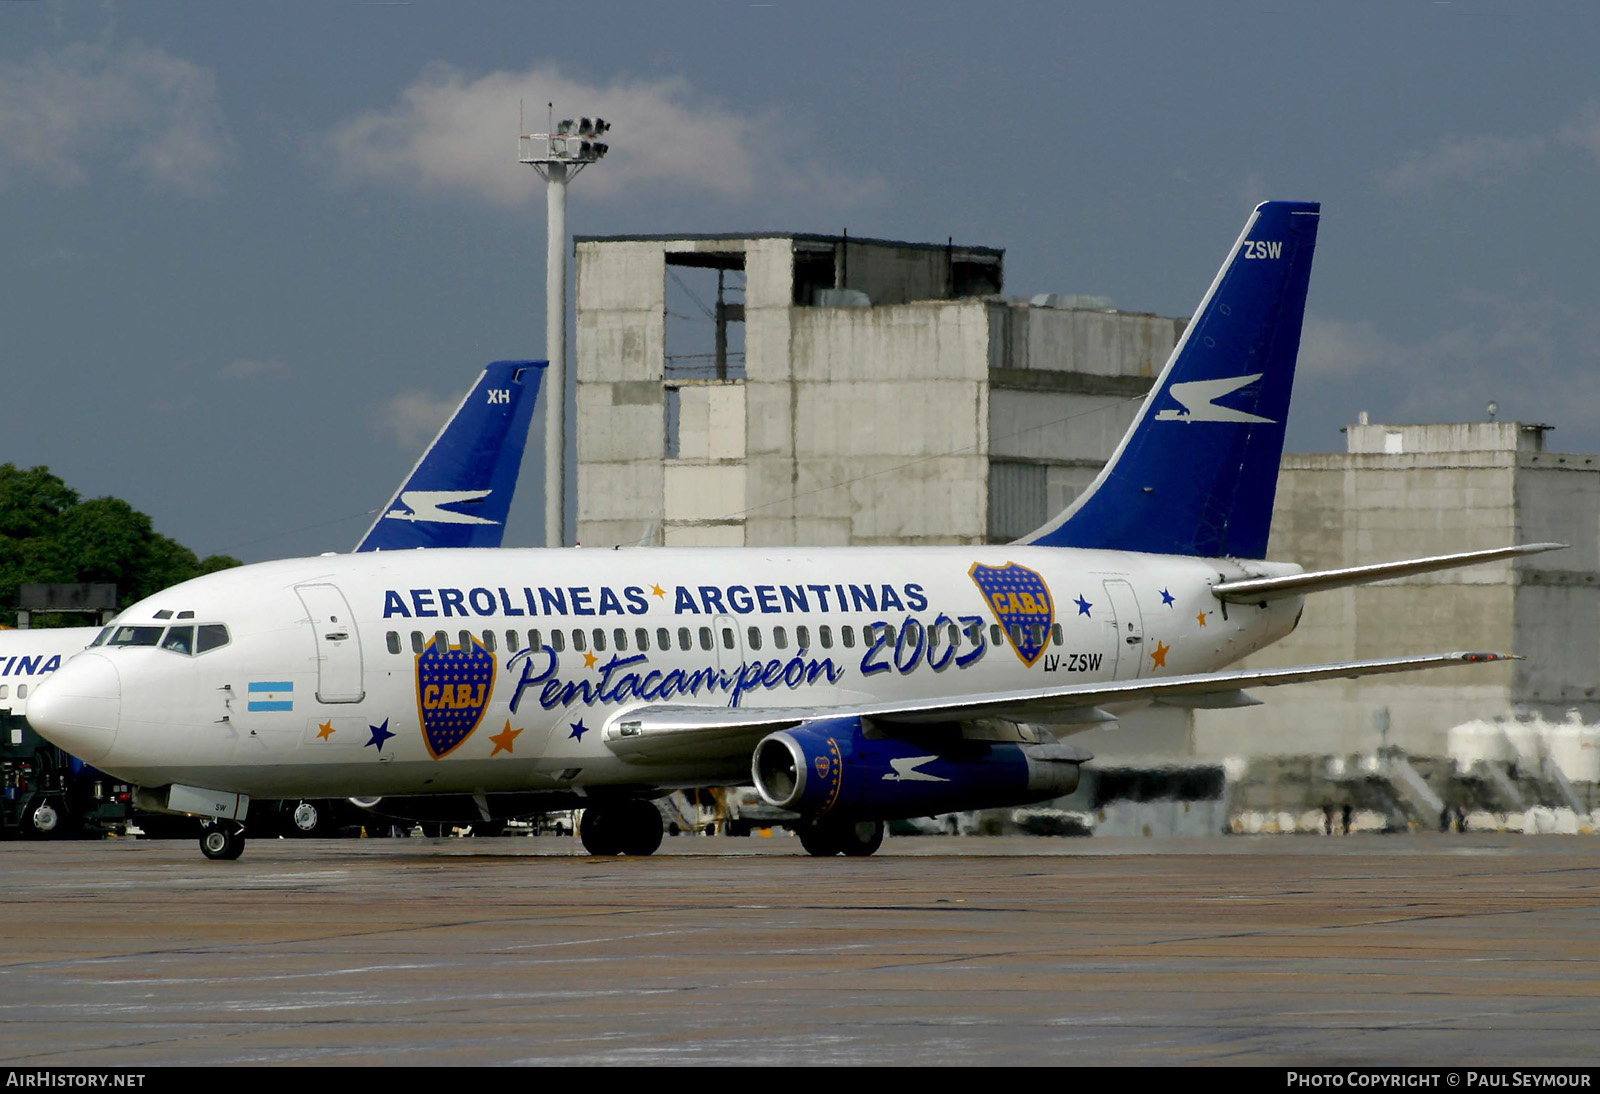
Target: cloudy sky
(252,251)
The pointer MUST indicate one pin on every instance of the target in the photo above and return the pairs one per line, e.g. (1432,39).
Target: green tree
(49,534)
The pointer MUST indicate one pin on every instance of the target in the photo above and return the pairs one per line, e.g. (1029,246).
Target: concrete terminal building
(886,393)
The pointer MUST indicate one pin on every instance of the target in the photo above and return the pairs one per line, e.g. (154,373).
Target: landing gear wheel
(818,840)
(599,831)
(222,841)
(642,828)
(44,819)
(621,828)
(861,839)
(857,839)
(306,819)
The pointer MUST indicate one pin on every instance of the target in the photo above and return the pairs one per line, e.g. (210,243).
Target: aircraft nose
(77,708)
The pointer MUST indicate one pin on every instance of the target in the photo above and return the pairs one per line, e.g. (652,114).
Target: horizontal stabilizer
(1254,589)
(654,734)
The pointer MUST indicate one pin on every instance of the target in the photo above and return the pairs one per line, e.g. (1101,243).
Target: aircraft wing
(672,732)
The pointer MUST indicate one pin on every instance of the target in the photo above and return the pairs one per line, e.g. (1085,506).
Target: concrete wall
(854,425)
(1088,342)
(1558,594)
(621,350)
(1451,438)
(886,434)
(1065,385)
(1362,507)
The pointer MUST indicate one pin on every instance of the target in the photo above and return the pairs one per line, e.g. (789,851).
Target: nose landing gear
(221,839)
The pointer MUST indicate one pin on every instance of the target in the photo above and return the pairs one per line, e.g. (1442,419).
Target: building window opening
(704,304)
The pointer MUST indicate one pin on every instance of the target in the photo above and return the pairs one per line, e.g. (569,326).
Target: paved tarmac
(1422,949)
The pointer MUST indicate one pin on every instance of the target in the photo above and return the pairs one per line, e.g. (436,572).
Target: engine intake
(833,766)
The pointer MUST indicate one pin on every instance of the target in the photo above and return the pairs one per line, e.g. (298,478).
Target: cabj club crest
(454,687)
(1018,597)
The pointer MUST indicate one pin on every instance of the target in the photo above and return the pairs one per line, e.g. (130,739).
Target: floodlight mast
(558,156)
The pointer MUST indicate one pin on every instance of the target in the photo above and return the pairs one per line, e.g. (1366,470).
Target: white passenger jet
(855,685)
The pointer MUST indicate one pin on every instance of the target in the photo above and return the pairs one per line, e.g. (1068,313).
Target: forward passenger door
(338,644)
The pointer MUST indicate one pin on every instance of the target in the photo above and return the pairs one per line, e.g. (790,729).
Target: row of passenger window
(5,691)
(188,639)
(705,638)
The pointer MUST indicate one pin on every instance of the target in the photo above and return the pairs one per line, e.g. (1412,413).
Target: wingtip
(1483,656)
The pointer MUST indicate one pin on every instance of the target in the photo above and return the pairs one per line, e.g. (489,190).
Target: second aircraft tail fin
(459,493)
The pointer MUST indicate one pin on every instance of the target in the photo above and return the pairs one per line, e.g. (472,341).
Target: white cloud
(1334,347)
(449,132)
(1584,131)
(412,418)
(65,112)
(1485,158)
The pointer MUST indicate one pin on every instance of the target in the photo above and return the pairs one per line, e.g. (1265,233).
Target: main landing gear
(827,838)
(45,819)
(628,827)
(308,819)
(220,839)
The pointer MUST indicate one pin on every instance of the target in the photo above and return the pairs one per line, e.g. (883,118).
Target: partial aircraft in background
(854,685)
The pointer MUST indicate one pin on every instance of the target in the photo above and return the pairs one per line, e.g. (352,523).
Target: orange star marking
(326,730)
(1159,657)
(588,660)
(502,740)
(1202,618)
(658,590)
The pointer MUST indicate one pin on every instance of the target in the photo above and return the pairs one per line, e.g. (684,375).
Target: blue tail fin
(1198,470)
(459,493)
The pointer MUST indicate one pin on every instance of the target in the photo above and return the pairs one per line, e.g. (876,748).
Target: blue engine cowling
(835,767)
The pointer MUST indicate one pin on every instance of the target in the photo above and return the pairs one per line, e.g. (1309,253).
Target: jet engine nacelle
(838,767)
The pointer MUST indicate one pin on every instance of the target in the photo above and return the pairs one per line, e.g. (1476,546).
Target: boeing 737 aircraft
(855,685)
(458,495)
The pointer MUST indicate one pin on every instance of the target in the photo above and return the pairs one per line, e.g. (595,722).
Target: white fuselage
(324,686)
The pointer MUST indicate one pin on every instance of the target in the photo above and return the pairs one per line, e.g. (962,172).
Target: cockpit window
(100,639)
(135,636)
(179,640)
(212,635)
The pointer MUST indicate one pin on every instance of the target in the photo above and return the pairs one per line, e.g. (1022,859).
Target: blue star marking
(578,730)
(380,734)
(1083,606)
(1167,598)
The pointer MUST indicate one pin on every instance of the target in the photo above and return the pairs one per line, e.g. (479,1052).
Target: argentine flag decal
(271,695)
